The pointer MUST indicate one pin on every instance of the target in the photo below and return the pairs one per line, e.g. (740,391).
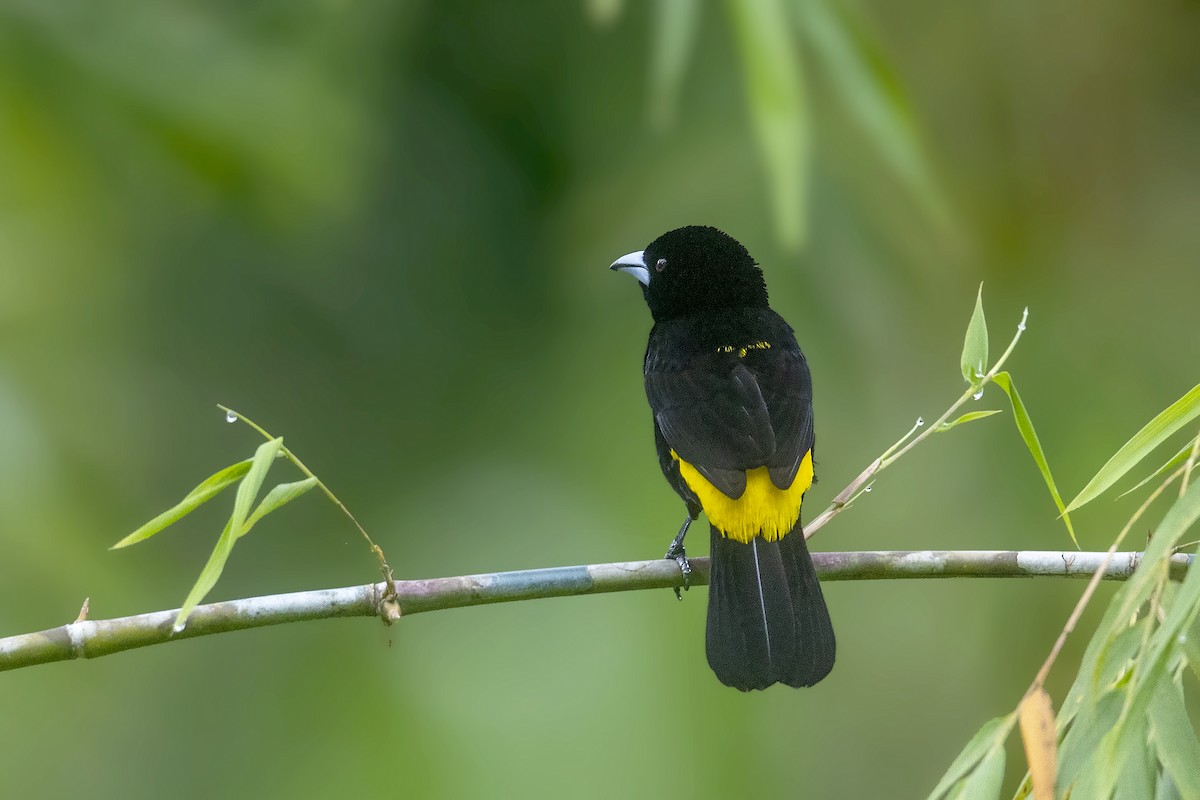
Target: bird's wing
(726,413)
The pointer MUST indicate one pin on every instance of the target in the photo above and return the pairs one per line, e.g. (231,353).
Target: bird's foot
(677,554)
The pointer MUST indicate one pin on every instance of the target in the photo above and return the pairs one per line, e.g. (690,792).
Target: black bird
(733,425)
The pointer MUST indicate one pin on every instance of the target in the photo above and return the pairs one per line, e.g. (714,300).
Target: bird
(731,396)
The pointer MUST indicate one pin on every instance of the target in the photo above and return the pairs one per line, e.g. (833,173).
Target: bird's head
(695,269)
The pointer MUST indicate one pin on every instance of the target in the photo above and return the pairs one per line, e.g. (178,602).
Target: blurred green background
(383,230)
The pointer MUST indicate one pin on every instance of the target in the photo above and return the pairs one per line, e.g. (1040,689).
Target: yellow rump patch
(742,351)
(763,509)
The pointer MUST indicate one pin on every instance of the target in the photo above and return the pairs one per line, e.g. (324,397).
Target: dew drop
(178,627)
(977,395)
(230,416)
(868,489)
(920,421)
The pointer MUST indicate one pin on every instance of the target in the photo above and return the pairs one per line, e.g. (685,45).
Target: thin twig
(388,609)
(907,442)
(93,638)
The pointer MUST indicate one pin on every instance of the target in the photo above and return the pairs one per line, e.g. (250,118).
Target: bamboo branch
(86,638)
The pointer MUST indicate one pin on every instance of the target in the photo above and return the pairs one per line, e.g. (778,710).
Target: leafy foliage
(1123,730)
(249,476)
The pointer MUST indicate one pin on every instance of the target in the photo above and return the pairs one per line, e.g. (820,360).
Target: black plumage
(731,393)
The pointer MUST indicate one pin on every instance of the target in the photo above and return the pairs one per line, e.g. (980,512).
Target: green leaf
(1174,738)
(247,491)
(676,23)
(280,496)
(1191,646)
(208,577)
(1156,662)
(210,488)
(779,108)
(968,417)
(1115,655)
(1166,788)
(990,736)
(1099,777)
(1025,426)
(264,456)
(1086,734)
(1140,776)
(864,80)
(1173,462)
(1156,431)
(975,344)
(987,779)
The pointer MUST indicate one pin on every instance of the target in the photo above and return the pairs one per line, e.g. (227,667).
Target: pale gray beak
(633,264)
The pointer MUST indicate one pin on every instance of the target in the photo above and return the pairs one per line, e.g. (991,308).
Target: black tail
(767,620)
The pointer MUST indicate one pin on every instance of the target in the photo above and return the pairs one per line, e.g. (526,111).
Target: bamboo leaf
(207,490)
(870,88)
(975,344)
(1155,432)
(208,577)
(264,456)
(1173,462)
(986,780)
(1139,777)
(1099,777)
(278,497)
(1116,654)
(1166,788)
(1025,426)
(970,416)
(1154,665)
(247,491)
(1175,739)
(1083,739)
(1040,740)
(676,23)
(991,735)
(779,108)
(1191,646)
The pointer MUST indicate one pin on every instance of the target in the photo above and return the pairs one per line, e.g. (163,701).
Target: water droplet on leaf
(977,395)
(920,421)
(230,416)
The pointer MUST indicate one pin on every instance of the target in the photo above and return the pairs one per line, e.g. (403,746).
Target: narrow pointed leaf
(986,780)
(247,491)
(676,23)
(1158,659)
(1175,740)
(264,456)
(1139,778)
(208,576)
(278,497)
(1025,426)
(1191,647)
(1083,739)
(1171,463)
(1040,740)
(965,418)
(866,82)
(993,733)
(779,109)
(1155,432)
(210,488)
(975,344)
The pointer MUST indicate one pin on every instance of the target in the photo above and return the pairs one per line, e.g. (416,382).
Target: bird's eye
(660,265)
